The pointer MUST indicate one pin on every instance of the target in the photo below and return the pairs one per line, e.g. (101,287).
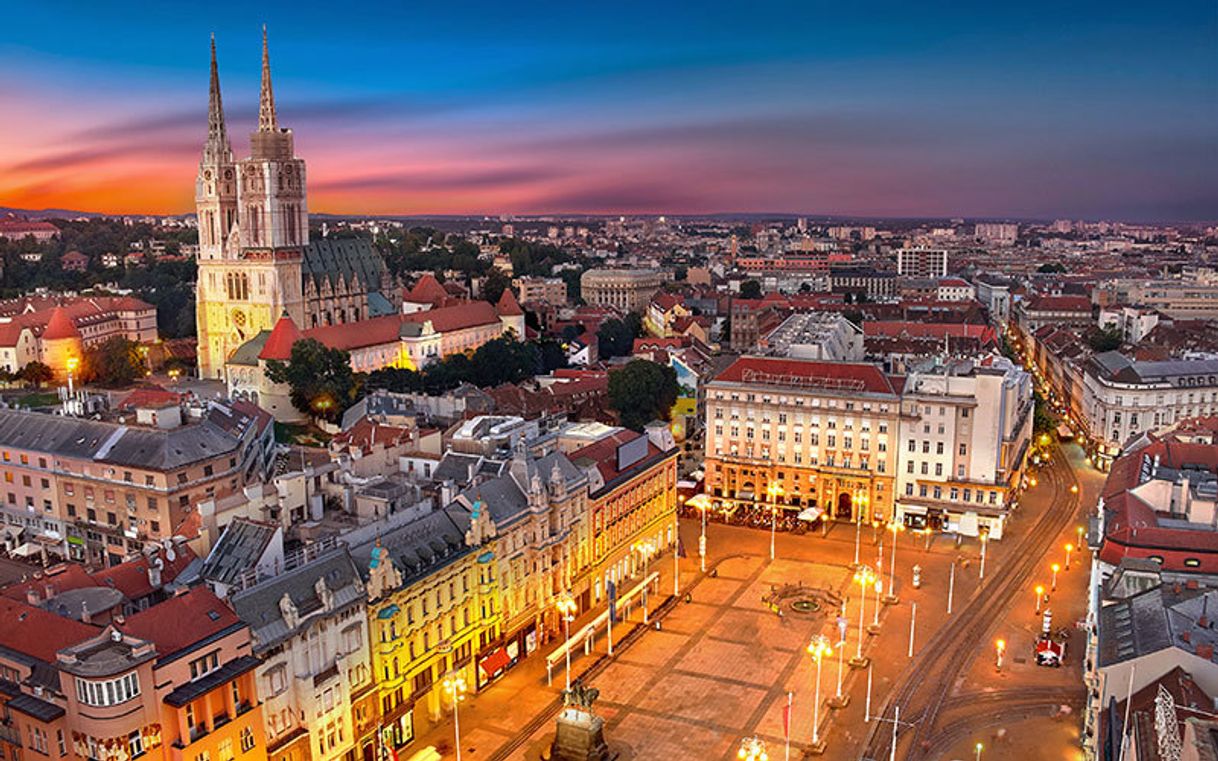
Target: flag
(786,717)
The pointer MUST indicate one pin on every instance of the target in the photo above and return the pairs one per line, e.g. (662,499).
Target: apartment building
(965,434)
(824,433)
(632,502)
(541,290)
(922,261)
(99,491)
(309,628)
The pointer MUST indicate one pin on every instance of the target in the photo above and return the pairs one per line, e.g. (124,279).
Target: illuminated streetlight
(1069,549)
(985,538)
(454,687)
(775,491)
(1055,568)
(1074,488)
(858,502)
(752,749)
(702,503)
(864,577)
(566,608)
(979,747)
(896,527)
(818,649)
(1000,649)
(1040,594)
(73,363)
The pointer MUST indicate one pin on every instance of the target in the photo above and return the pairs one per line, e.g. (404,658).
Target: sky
(976,109)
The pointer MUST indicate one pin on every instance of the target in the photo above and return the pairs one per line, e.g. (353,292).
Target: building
(858,279)
(1001,233)
(1132,323)
(309,630)
(632,503)
(822,434)
(15,228)
(626,290)
(255,257)
(433,611)
(815,335)
(52,331)
(1189,296)
(74,261)
(995,295)
(1122,398)
(664,313)
(921,261)
(954,289)
(965,435)
(1034,312)
(101,491)
(172,682)
(541,290)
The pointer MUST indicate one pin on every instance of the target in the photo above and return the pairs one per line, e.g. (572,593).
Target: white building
(965,431)
(815,335)
(921,261)
(1004,233)
(309,626)
(954,289)
(995,295)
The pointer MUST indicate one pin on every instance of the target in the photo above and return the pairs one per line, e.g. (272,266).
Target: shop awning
(497,661)
(809,514)
(29,549)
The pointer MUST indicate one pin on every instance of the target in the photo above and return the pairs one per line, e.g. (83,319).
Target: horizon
(1030,112)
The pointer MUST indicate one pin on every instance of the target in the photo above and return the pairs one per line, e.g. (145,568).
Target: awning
(810,514)
(492,664)
(29,549)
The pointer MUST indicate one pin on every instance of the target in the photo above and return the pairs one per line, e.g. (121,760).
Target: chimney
(1186,636)
(1191,584)
(31,596)
(50,591)
(1205,651)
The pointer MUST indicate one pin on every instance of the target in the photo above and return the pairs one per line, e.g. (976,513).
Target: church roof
(247,353)
(328,259)
(60,326)
(283,336)
(427,290)
(508,306)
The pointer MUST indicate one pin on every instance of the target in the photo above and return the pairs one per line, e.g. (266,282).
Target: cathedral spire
(266,105)
(216,130)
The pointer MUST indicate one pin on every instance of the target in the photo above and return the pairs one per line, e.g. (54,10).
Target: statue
(580,734)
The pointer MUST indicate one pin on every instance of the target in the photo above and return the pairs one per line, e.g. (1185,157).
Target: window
(247,739)
(204,666)
(1192,562)
(61,742)
(939,447)
(135,742)
(109,692)
(224,752)
(964,449)
(38,739)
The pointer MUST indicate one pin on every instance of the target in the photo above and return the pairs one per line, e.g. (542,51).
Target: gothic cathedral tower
(253,228)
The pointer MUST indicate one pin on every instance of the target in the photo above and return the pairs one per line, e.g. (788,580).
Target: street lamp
(858,502)
(818,649)
(73,363)
(1055,568)
(985,538)
(454,687)
(978,747)
(1000,649)
(864,577)
(702,503)
(1069,549)
(1080,531)
(645,548)
(752,749)
(566,608)
(1040,595)
(896,527)
(1074,488)
(775,491)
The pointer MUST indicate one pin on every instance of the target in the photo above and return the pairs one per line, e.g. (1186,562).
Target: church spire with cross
(267,121)
(217,149)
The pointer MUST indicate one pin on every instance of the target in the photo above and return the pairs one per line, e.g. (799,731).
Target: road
(932,717)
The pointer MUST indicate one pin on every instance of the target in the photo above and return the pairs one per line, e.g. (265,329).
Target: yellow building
(632,500)
(432,611)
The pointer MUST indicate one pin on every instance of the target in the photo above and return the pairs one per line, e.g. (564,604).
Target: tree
(494,285)
(1051,267)
(750,289)
(36,373)
(320,379)
(1109,339)
(616,337)
(642,391)
(116,362)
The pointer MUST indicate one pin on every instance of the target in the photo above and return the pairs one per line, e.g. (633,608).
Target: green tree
(1051,267)
(1109,339)
(494,285)
(319,378)
(37,373)
(750,289)
(616,337)
(116,362)
(642,391)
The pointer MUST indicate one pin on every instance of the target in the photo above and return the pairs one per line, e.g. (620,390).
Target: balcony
(323,676)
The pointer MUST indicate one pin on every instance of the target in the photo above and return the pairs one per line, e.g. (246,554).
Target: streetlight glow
(818,648)
(1040,594)
(1055,567)
(566,608)
(454,687)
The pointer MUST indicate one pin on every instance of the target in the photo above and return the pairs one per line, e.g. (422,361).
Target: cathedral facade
(256,261)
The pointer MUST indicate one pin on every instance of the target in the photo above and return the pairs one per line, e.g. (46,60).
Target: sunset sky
(1029,109)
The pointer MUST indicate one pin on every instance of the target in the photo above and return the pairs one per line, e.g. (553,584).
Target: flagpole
(786,727)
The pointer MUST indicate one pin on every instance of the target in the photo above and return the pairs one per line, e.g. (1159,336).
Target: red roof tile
(38,633)
(60,326)
(508,306)
(283,336)
(457,317)
(182,621)
(845,375)
(427,290)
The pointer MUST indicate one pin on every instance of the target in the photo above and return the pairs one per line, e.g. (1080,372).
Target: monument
(580,735)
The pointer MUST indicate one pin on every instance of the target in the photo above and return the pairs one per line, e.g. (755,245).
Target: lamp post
(1055,567)
(702,503)
(752,749)
(73,363)
(818,649)
(1080,531)
(645,548)
(858,502)
(566,608)
(1000,649)
(874,626)
(985,539)
(676,555)
(864,577)
(1040,595)
(896,527)
(454,687)
(978,747)
(775,491)
(1069,549)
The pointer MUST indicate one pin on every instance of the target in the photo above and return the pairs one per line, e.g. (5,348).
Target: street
(722,665)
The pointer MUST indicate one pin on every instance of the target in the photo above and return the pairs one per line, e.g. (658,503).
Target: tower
(251,273)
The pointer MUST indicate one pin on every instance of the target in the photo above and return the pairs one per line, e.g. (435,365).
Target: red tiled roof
(38,633)
(53,581)
(367,433)
(60,326)
(1059,304)
(604,454)
(357,335)
(427,290)
(182,621)
(283,336)
(456,317)
(14,226)
(508,306)
(666,301)
(131,578)
(752,369)
(150,396)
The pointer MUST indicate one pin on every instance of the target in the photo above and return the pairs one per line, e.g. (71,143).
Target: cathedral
(256,262)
